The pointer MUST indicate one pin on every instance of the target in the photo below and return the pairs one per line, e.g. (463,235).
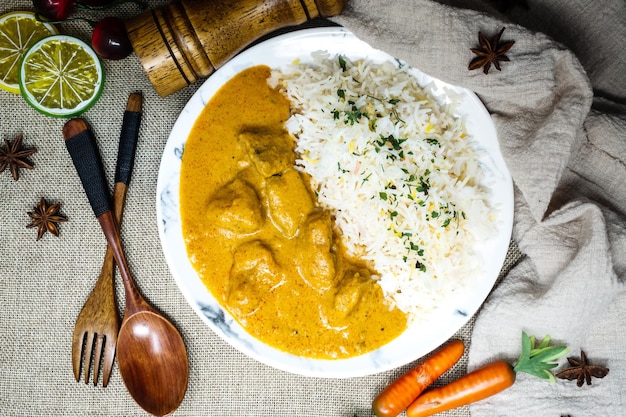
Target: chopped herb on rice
(397,170)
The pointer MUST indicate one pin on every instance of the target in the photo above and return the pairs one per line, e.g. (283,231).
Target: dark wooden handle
(83,149)
(125,161)
(128,139)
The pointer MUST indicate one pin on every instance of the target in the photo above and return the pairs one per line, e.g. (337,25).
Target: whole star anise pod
(490,52)
(12,155)
(582,371)
(45,218)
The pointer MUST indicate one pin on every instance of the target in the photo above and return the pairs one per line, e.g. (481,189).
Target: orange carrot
(397,396)
(490,379)
(480,384)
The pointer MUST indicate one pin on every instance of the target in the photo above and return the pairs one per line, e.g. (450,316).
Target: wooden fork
(95,333)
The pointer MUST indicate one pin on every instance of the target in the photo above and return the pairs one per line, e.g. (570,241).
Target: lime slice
(18,31)
(61,76)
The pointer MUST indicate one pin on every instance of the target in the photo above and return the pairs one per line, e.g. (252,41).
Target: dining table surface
(559,107)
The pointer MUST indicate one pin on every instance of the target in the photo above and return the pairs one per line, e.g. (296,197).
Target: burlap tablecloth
(44,284)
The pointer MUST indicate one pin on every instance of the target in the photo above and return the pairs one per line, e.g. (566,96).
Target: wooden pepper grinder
(189,39)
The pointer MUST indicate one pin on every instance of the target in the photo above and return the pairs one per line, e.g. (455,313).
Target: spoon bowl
(152,368)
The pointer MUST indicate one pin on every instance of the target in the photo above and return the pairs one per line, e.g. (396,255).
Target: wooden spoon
(151,354)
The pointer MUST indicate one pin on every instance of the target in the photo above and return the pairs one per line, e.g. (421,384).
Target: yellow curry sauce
(259,242)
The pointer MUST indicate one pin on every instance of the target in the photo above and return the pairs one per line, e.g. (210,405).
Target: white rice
(396,169)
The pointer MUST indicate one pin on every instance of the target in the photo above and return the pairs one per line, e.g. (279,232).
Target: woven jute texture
(43,284)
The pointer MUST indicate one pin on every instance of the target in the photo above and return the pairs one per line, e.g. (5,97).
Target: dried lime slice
(61,76)
(18,32)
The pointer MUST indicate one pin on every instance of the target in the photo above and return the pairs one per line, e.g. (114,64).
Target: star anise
(12,155)
(45,218)
(582,371)
(490,52)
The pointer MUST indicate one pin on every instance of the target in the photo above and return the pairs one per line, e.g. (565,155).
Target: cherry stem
(141,4)
(40,18)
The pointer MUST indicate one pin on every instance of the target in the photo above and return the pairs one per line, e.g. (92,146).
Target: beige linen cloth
(559,107)
(567,159)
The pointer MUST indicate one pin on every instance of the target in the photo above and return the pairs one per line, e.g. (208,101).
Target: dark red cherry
(110,40)
(54,9)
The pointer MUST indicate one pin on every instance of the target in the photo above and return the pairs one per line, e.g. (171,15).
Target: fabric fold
(567,164)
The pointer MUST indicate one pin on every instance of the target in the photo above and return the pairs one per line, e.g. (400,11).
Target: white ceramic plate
(416,341)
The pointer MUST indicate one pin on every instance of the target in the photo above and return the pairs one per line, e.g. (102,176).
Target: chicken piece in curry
(259,241)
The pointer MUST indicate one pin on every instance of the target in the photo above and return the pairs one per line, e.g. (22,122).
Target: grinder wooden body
(186,40)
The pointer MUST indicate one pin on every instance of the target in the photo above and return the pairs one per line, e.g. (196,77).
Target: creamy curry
(258,240)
